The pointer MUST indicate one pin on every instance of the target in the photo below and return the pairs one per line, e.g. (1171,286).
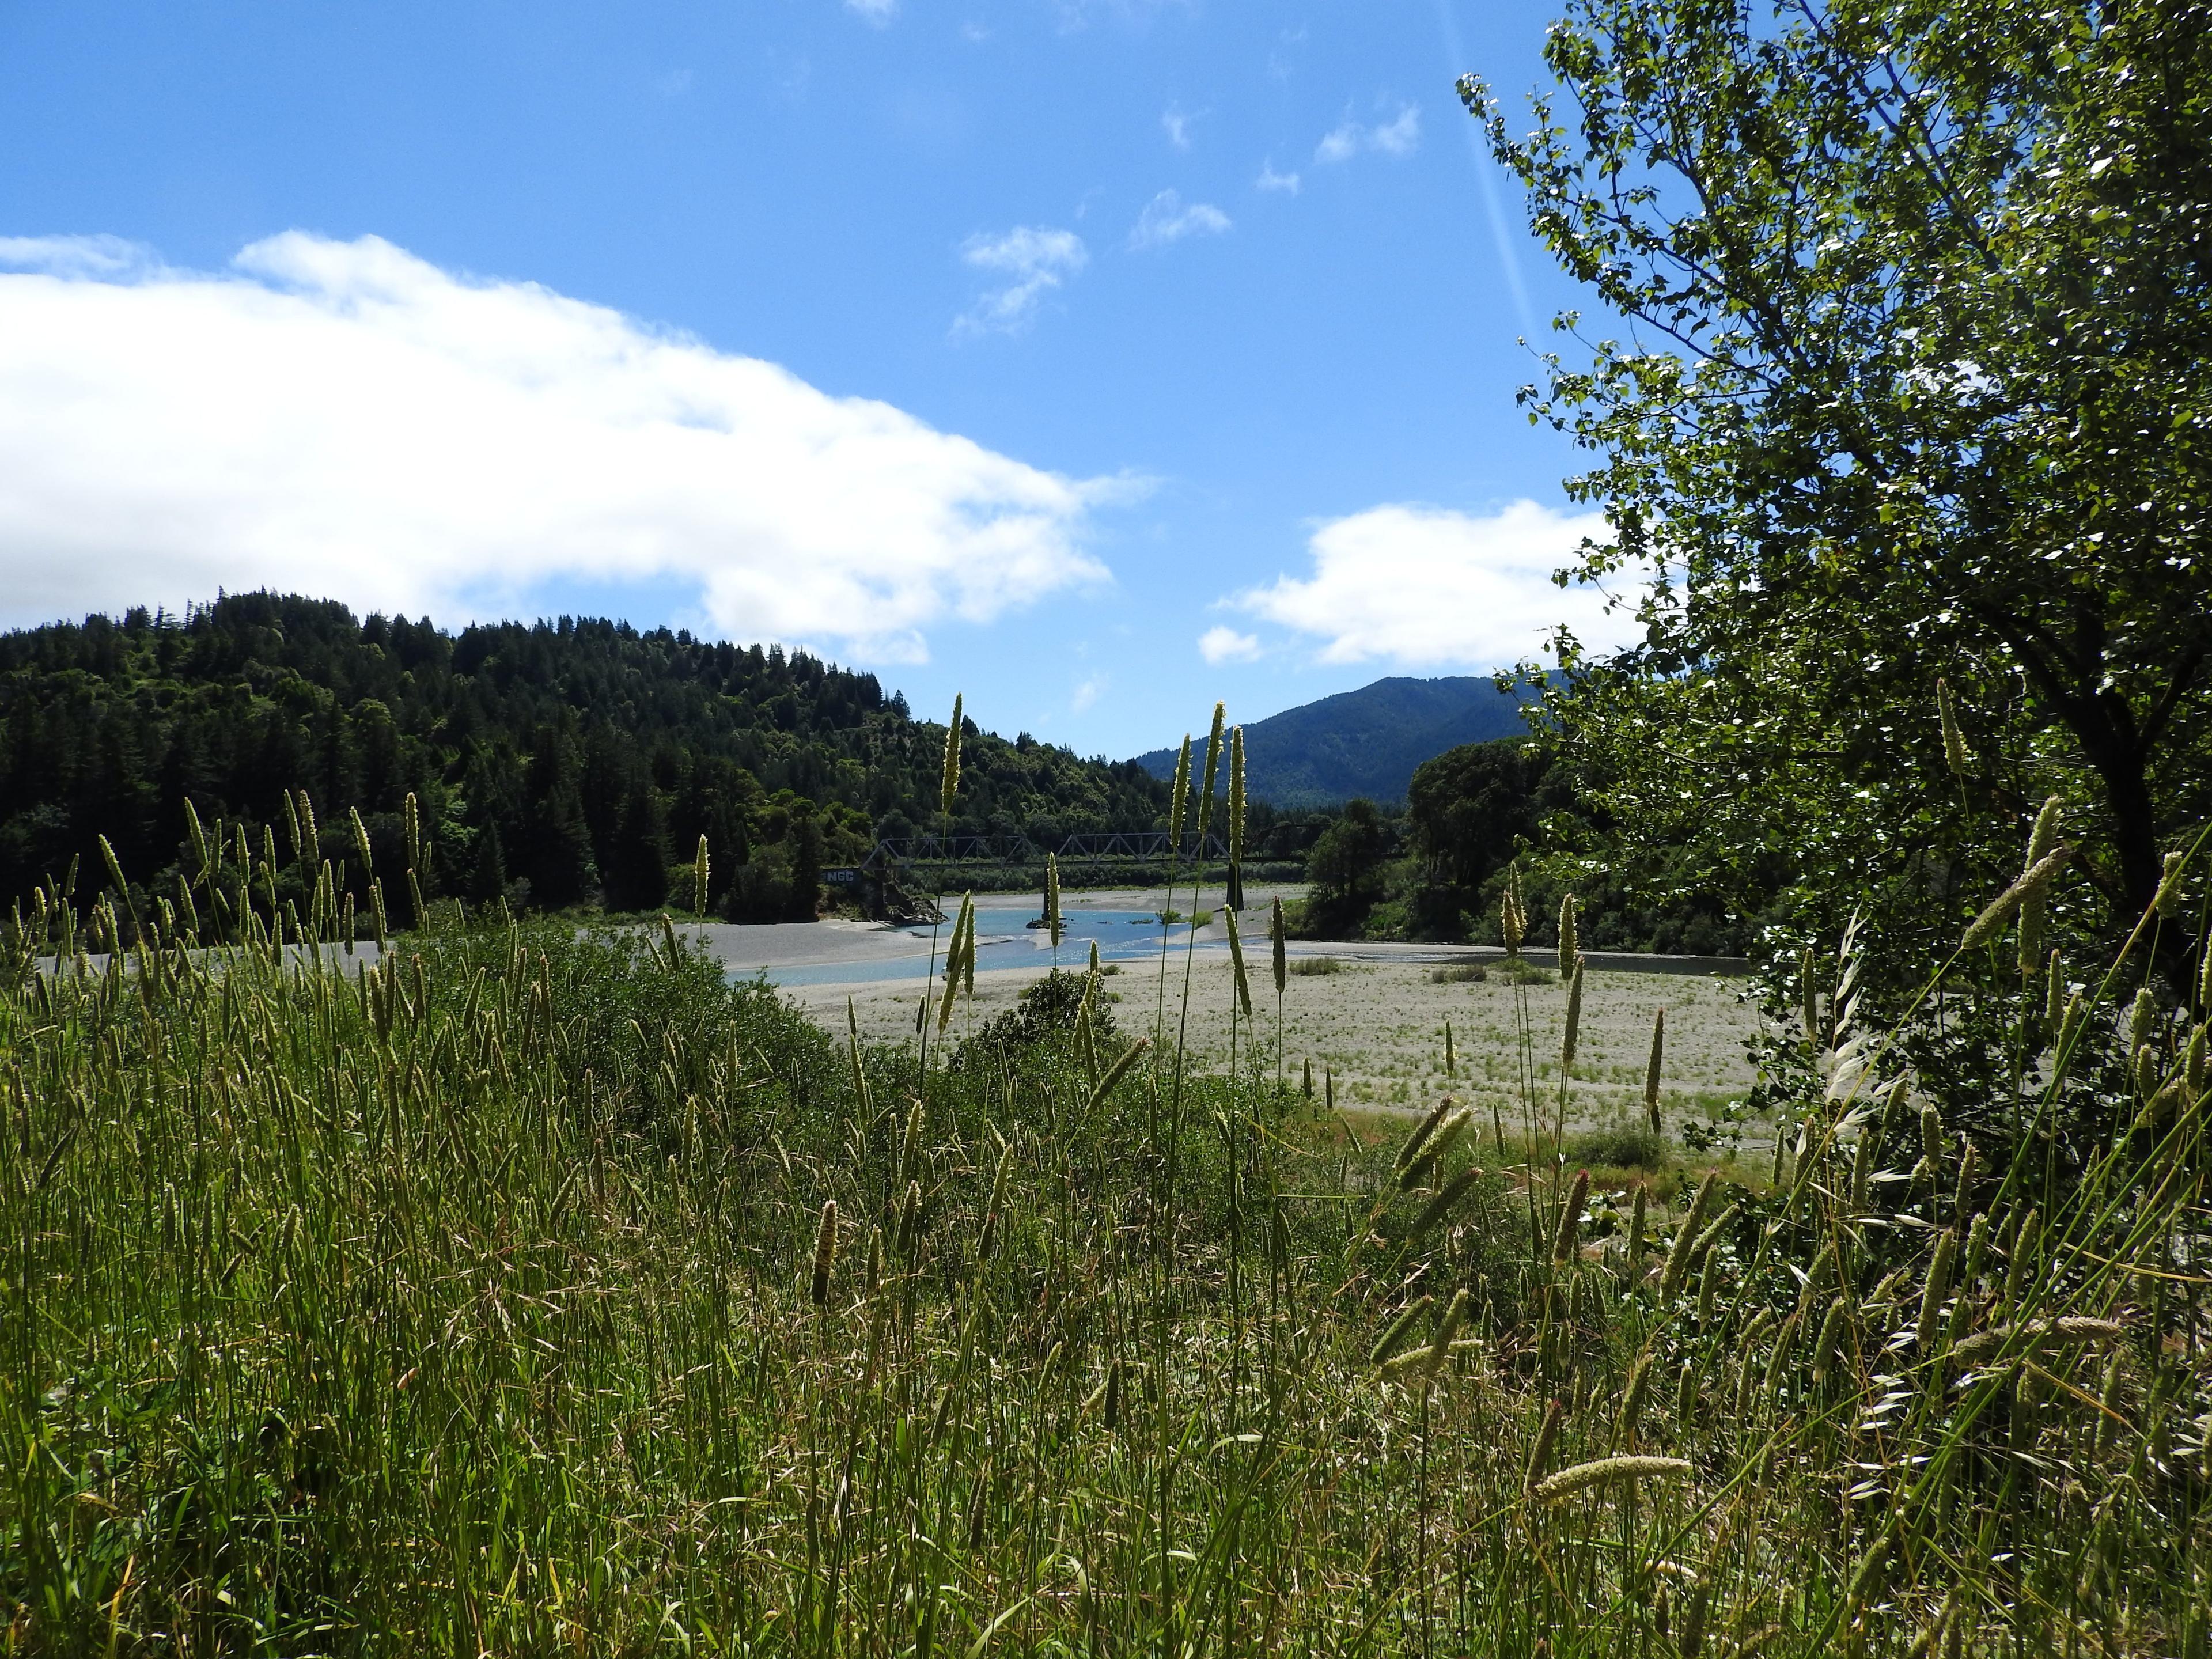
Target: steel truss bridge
(1133,845)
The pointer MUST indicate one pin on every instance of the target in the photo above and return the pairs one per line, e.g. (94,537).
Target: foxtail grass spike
(1052,921)
(1446,1200)
(1394,1333)
(1651,1069)
(700,871)
(1410,1152)
(1955,741)
(1539,1453)
(1606,1471)
(1568,953)
(1570,1220)
(1685,1235)
(948,784)
(1117,1072)
(1277,936)
(1212,776)
(1933,1290)
(825,1253)
(2167,900)
(1179,797)
(1440,1347)
(1236,796)
(1451,1065)
(1573,1031)
(1236,963)
(1992,920)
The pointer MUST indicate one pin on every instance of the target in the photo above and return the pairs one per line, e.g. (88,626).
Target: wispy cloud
(1038,260)
(878,12)
(1422,586)
(1400,136)
(1176,125)
(1166,221)
(1270,180)
(344,419)
(1088,693)
(1225,644)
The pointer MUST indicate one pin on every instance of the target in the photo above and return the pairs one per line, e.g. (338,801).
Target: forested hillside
(563,763)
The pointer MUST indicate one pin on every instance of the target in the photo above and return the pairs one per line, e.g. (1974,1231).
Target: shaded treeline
(1438,868)
(562,763)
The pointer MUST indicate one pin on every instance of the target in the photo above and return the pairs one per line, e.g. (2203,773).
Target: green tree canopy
(1915,381)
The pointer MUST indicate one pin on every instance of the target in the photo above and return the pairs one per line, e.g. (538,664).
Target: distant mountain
(1365,742)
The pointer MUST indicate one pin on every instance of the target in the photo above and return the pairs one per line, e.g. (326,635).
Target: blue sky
(1097,359)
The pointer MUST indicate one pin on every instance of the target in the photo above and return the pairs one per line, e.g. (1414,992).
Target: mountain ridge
(1365,742)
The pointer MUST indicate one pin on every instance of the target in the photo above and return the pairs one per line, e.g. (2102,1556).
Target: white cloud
(1400,136)
(1271,179)
(1176,125)
(1038,260)
(1424,587)
(878,12)
(1225,644)
(1087,693)
(1166,221)
(343,418)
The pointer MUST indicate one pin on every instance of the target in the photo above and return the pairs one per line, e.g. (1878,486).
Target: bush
(1619,1146)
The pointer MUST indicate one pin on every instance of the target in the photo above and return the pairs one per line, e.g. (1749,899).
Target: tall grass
(531,1291)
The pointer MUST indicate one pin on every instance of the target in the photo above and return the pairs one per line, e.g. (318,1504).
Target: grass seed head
(1178,795)
(2141,1017)
(1212,774)
(948,784)
(1418,1141)
(825,1253)
(1568,953)
(1828,1344)
(1570,1220)
(1573,1031)
(1933,1289)
(1651,1069)
(1446,1200)
(2167,902)
(1278,935)
(1631,1400)
(1394,1333)
(1678,1258)
(1236,963)
(1539,1454)
(1606,1471)
(1955,741)
(1439,1349)
(1237,795)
